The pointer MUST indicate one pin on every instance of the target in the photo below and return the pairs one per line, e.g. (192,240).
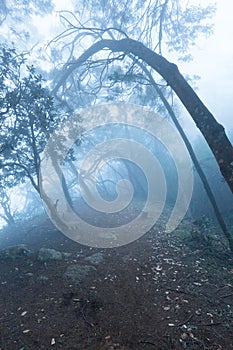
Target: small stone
(198,312)
(15,252)
(29,274)
(197,284)
(95,259)
(75,273)
(46,254)
(42,278)
(166,308)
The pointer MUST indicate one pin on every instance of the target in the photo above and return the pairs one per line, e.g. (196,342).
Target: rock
(42,279)
(126,258)
(95,259)
(75,273)
(66,255)
(15,252)
(46,254)
(29,274)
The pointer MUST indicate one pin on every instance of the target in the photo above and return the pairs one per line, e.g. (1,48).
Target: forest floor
(155,293)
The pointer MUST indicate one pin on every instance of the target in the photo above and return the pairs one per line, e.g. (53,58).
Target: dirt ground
(155,293)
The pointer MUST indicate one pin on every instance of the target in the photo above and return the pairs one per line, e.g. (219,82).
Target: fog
(116,174)
(211,61)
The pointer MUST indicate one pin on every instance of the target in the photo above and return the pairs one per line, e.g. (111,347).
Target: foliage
(162,25)
(176,24)
(21,8)
(27,119)
(18,23)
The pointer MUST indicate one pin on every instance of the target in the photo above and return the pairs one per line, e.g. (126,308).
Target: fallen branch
(147,342)
(227,295)
(186,321)
(84,316)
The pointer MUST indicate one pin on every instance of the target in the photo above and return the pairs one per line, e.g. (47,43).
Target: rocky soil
(155,293)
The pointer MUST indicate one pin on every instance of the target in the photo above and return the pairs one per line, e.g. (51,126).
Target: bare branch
(213,131)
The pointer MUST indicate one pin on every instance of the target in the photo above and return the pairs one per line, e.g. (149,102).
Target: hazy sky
(213,61)
(213,58)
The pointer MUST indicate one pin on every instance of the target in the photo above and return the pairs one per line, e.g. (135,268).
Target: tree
(162,24)
(213,132)
(27,118)
(172,22)
(196,163)
(6,213)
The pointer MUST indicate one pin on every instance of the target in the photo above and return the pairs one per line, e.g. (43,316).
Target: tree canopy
(27,119)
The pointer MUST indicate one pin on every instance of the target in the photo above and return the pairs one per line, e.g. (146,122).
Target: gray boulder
(75,273)
(45,254)
(15,252)
(95,259)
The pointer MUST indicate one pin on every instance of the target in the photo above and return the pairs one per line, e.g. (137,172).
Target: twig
(178,291)
(186,321)
(227,295)
(225,286)
(84,316)
(209,324)
(147,342)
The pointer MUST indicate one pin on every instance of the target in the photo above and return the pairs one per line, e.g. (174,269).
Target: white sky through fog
(213,57)
(213,62)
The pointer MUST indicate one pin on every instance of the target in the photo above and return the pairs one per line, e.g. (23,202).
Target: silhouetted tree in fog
(27,118)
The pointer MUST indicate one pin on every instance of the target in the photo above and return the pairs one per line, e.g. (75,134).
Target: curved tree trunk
(213,132)
(196,163)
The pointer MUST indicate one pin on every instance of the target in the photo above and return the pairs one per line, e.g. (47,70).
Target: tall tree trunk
(213,132)
(196,163)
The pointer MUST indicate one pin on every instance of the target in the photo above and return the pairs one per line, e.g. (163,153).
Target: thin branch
(12,164)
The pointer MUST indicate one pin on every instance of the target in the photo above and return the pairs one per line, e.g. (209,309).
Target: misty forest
(116,175)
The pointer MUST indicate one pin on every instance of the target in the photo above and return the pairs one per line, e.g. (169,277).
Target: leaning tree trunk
(196,163)
(213,132)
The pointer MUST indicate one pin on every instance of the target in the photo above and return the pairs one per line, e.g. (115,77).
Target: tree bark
(213,132)
(196,163)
